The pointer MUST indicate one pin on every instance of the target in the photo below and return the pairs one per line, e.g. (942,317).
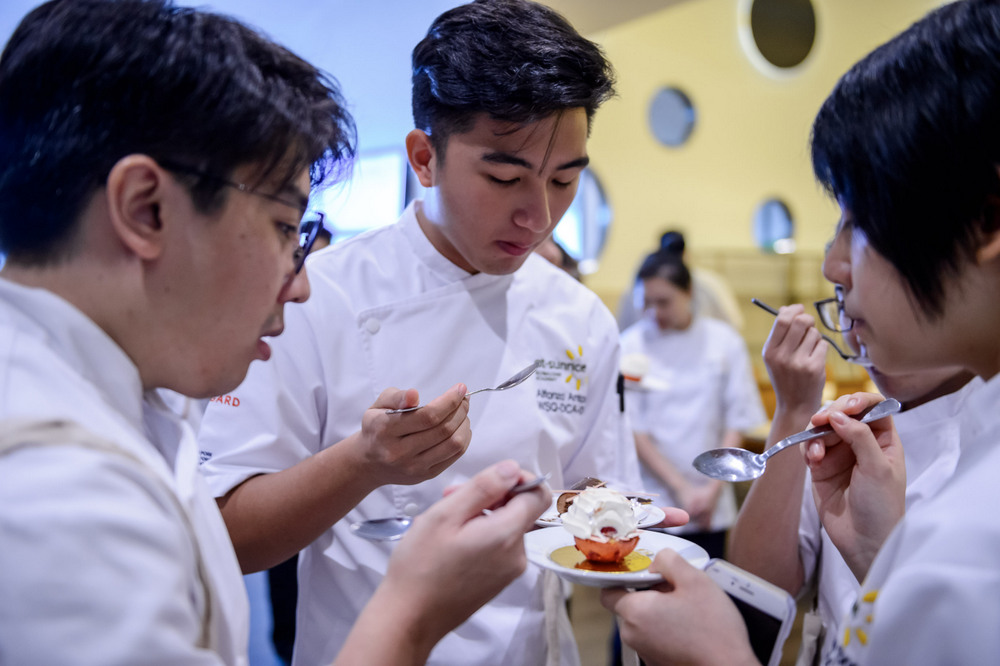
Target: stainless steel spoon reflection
(732,464)
(390,529)
(502,386)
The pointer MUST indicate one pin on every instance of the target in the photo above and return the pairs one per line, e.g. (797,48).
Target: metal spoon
(732,464)
(502,386)
(390,529)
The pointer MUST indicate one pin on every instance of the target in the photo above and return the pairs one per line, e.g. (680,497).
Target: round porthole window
(671,117)
(777,35)
(773,227)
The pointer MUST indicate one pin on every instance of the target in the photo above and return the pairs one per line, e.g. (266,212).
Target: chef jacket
(699,385)
(105,557)
(929,433)
(387,309)
(932,595)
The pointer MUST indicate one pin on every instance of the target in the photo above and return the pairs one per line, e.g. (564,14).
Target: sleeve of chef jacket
(607,450)
(744,409)
(98,567)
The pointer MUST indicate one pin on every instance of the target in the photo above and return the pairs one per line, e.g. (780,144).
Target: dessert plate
(540,544)
(647,515)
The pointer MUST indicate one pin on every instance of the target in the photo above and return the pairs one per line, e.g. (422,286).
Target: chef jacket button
(411,509)
(373,325)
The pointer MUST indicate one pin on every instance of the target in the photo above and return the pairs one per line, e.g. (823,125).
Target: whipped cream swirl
(601,514)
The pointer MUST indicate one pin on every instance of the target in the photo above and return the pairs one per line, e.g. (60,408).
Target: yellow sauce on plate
(571,558)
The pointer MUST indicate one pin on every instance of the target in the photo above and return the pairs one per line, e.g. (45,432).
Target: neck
(426,213)
(948,387)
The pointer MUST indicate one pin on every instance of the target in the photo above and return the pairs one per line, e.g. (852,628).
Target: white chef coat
(929,434)
(699,385)
(97,565)
(932,595)
(387,309)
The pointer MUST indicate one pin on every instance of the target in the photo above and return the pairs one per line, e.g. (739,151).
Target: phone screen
(763,629)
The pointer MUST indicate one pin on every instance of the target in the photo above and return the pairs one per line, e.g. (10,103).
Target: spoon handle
(792,440)
(874,413)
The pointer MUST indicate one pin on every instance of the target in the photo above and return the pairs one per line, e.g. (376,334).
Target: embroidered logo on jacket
(561,383)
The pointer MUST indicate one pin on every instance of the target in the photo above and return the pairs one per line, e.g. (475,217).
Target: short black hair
(513,60)
(909,143)
(84,83)
(666,265)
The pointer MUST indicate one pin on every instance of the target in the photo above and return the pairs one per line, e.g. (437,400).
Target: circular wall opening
(671,117)
(778,34)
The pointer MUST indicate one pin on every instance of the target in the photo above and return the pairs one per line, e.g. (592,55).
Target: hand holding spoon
(391,529)
(732,464)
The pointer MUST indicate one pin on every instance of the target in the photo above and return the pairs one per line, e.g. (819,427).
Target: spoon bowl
(391,529)
(732,464)
(502,386)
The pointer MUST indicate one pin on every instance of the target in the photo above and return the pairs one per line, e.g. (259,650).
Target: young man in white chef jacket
(154,168)
(503,97)
(785,543)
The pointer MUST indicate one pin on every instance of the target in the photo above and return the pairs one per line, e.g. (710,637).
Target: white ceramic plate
(646,515)
(540,543)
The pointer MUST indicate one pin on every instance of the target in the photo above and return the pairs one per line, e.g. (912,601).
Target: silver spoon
(502,386)
(390,529)
(732,464)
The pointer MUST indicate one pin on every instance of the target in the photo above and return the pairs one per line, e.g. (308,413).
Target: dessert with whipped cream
(603,524)
(634,366)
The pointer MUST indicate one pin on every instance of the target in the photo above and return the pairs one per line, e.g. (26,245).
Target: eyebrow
(296,195)
(508,158)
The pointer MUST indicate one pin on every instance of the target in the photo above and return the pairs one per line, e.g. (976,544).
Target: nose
(296,288)
(836,261)
(534,213)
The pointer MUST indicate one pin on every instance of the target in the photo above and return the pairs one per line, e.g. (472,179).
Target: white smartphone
(767,610)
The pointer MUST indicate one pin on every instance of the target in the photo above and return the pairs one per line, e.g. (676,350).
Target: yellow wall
(751,137)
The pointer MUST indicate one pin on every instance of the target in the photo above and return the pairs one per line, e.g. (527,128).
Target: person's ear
(989,241)
(136,187)
(422,156)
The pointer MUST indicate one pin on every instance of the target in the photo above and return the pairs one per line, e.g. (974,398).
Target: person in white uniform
(786,544)
(698,394)
(123,276)
(503,96)
(917,255)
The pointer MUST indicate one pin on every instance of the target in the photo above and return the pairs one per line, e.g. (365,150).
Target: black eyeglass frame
(308,230)
(844,355)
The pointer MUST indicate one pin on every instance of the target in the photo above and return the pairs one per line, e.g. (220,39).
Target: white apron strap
(23,433)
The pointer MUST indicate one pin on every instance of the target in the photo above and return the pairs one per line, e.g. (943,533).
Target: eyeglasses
(824,309)
(831,313)
(308,231)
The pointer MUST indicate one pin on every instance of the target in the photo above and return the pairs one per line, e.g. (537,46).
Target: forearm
(657,463)
(271,517)
(388,631)
(765,538)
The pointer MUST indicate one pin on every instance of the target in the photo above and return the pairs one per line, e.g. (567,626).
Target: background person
(125,275)
(704,396)
(504,92)
(711,295)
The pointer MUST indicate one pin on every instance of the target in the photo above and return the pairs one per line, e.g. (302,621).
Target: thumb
(482,491)
(860,438)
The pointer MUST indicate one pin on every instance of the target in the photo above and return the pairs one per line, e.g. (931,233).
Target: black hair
(909,143)
(84,83)
(672,241)
(514,60)
(666,265)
